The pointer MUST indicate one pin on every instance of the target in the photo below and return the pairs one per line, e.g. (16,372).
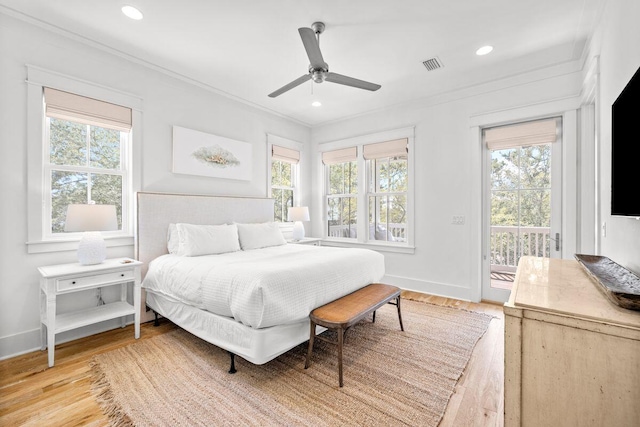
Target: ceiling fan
(318,69)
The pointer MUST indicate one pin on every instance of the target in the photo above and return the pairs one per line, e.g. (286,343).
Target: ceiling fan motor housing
(318,27)
(318,74)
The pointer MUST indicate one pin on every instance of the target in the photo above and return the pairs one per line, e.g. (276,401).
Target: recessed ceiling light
(316,103)
(132,12)
(484,50)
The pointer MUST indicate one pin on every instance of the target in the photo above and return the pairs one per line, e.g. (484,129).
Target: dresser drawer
(93,281)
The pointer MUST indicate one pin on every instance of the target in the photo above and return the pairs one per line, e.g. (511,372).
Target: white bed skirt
(257,346)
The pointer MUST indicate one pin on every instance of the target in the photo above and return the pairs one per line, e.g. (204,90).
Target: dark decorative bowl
(621,286)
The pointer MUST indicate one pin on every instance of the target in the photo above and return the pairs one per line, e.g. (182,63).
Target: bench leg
(312,335)
(340,342)
(399,313)
(374,316)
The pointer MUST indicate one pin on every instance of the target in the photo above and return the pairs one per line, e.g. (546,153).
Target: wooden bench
(345,312)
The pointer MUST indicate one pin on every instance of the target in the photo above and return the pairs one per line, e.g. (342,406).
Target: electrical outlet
(458,220)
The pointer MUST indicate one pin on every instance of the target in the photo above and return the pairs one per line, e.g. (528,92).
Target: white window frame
(375,194)
(295,168)
(294,182)
(124,172)
(40,238)
(362,239)
(327,184)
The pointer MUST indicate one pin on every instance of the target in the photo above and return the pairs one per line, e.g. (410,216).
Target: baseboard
(432,288)
(17,344)
(29,341)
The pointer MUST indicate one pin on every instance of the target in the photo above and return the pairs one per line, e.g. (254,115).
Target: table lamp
(298,214)
(91,219)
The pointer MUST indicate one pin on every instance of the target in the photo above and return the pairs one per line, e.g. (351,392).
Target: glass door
(522,200)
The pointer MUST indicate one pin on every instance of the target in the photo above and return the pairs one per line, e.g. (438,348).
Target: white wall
(617,43)
(167,101)
(446,259)
(448,172)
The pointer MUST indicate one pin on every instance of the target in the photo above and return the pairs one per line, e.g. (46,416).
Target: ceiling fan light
(316,104)
(132,12)
(484,50)
(318,76)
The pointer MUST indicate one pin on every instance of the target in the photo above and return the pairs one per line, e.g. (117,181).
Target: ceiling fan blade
(291,85)
(312,47)
(350,81)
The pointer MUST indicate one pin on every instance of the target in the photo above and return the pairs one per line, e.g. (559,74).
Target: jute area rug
(390,377)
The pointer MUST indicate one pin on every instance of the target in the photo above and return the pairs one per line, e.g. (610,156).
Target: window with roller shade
(341,192)
(284,176)
(521,189)
(86,148)
(367,191)
(387,186)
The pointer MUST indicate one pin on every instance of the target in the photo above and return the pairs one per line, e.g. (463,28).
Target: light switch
(458,220)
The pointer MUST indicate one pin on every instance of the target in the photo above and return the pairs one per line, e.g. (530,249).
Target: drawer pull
(73,283)
(122,275)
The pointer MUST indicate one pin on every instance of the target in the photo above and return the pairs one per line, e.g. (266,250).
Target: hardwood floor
(478,399)
(33,395)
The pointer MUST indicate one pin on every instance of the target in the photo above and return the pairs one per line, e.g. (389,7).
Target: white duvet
(265,287)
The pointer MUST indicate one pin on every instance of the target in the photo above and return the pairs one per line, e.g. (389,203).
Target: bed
(253,303)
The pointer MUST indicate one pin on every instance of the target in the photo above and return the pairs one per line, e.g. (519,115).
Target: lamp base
(298,231)
(92,248)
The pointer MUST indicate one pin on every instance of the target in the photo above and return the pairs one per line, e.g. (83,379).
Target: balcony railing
(508,244)
(395,232)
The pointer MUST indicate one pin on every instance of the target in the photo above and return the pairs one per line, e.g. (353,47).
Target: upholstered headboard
(155,211)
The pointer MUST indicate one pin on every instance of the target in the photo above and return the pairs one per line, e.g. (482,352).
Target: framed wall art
(205,154)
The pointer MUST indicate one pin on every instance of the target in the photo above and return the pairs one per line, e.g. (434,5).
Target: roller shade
(381,150)
(340,156)
(523,134)
(76,108)
(285,154)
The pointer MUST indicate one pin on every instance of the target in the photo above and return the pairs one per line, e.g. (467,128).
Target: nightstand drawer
(93,281)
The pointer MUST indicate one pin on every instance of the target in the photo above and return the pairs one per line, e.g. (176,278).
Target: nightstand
(314,241)
(67,278)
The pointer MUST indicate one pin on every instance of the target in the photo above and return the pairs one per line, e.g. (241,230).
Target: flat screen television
(625,150)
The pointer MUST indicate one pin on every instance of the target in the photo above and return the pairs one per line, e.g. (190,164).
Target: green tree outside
(281,188)
(83,160)
(387,187)
(520,197)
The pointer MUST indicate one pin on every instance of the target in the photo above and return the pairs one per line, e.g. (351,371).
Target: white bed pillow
(262,235)
(198,240)
(173,239)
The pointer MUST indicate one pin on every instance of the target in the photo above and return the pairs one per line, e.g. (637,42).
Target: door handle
(557,240)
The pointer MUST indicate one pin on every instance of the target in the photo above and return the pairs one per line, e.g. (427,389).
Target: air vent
(432,64)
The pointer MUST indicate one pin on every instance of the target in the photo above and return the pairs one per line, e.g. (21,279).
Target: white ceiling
(250,48)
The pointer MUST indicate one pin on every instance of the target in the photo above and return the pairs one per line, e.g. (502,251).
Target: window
(387,185)
(92,124)
(284,174)
(342,192)
(85,147)
(521,190)
(368,190)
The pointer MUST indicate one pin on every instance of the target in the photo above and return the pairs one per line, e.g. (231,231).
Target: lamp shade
(91,218)
(298,213)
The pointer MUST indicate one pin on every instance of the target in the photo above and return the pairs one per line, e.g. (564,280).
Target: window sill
(44,246)
(381,247)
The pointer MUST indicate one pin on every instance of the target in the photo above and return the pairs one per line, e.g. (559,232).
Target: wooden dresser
(572,357)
